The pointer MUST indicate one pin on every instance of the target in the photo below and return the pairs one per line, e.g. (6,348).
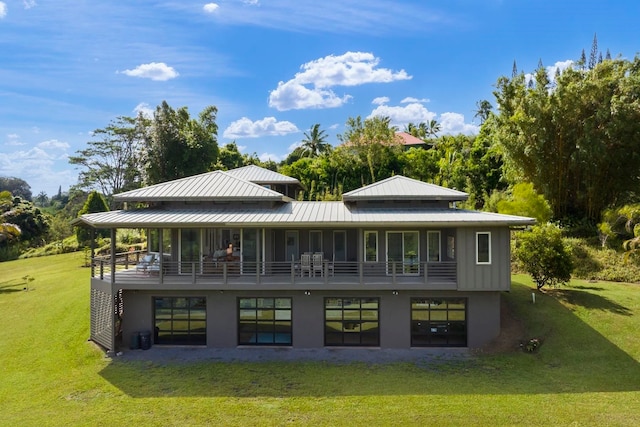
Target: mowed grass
(585,373)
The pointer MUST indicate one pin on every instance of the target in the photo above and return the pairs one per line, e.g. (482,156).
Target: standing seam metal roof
(217,185)
(400,187)
(301,213)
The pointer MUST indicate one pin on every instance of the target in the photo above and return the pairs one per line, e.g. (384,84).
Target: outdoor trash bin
(145,340)
(135,341)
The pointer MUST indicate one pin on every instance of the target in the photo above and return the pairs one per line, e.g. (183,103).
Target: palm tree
(314,143)
(483,111)
(432,128)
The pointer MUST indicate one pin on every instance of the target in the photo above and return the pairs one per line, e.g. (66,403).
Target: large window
(351,322)
(153,240)
(371,246)
(438,322)
(483,247)
(264,321)
(180,320)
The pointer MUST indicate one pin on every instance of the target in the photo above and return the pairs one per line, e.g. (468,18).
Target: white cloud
(158,71)
(28,4)
(453,123)
(269,126)
(268,156)
(380,100)
(3,9)
(402,115)
(144,109)
(54,144)
(13,139)
(294,146)
(40,166)
(251,2)
(210,7)
(412,100)
(311,87)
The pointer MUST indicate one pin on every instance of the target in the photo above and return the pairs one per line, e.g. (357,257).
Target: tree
(229,157)
(9,232)
(111,163)
(433,127)
(374,141)
(484,108)
(593,57)
(543,254)
(314,143)
(16,186)
(524,201)
(22,216)
(178,146)
(575,141)
(95,203)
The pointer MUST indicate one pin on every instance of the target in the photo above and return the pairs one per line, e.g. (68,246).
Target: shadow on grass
(575,358)
(15,287)
(579,296)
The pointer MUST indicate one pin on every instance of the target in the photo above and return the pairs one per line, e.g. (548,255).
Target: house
(409,141)
(393,265)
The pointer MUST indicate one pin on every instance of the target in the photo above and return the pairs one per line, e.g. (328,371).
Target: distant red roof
(408,139)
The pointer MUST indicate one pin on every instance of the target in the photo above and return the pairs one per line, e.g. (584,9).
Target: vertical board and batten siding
(484,277)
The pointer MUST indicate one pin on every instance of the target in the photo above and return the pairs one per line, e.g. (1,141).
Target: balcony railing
(129,274)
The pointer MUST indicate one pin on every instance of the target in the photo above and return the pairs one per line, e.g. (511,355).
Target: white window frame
(478,234)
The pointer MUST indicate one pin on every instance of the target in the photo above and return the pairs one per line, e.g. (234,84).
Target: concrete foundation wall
(483,315)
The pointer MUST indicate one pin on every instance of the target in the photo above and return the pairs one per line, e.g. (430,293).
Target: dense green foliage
(95,203)
(524,201)
(543,254)
(575,137)
(177,146)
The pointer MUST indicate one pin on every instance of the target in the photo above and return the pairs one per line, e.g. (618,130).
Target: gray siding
(484,277)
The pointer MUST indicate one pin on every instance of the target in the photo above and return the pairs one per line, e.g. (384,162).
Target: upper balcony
(126,272)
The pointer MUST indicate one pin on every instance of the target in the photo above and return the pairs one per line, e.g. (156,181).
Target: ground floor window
(264,321)
(180,320)
(438,322)
(351,322)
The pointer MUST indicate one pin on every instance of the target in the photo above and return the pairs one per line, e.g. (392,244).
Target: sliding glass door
(403,252)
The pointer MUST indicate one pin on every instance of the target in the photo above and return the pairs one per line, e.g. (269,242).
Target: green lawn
(585,373)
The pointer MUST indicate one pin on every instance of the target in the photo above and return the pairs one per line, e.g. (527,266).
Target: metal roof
(217,185)
(260,175)
(317,214)
(399,187)
(408,139)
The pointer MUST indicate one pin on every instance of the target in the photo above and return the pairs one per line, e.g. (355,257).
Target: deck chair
(318,260)
(305,264)
(145,263)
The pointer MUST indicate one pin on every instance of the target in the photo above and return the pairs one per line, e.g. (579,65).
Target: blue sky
(273,68)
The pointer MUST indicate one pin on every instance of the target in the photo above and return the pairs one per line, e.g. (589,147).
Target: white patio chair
(305,264)
(318,261)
